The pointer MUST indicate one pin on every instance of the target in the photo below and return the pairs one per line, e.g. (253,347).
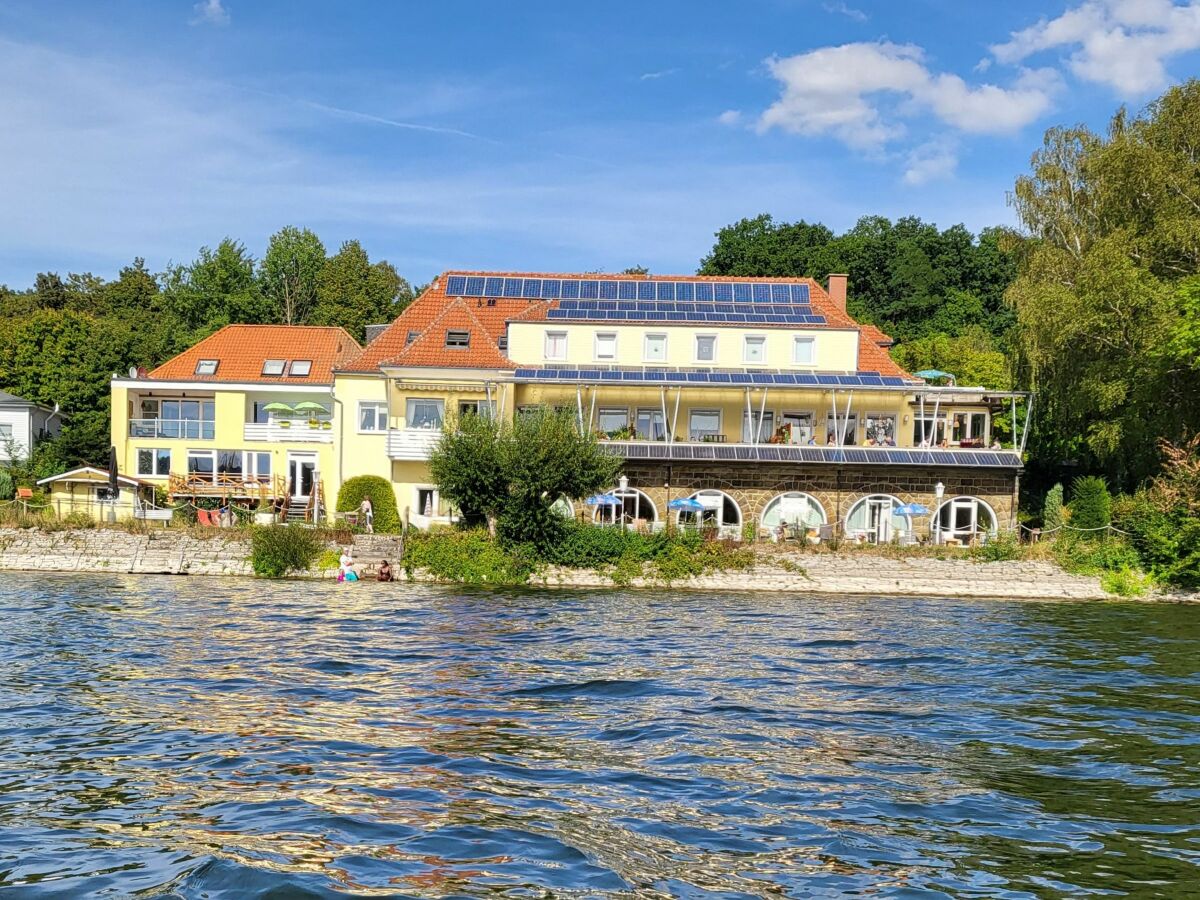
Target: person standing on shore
(366,511)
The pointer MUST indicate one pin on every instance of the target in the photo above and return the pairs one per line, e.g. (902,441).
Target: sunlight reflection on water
(236,738)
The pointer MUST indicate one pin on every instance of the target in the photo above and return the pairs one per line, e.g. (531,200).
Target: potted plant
(285,423)
(326,425)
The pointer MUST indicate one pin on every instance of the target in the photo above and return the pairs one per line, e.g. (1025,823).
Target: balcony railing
(411,443)
(296,431)
(226,484)
(177,429)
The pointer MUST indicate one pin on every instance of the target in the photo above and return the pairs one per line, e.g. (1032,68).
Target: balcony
(227,484)
(295,432)
(173,429)
(412,443)
(708,450)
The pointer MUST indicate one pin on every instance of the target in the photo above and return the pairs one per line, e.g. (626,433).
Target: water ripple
(221,739)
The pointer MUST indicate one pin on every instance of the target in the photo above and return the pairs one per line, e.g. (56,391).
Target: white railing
(411,443)
(293,432)
(177,429)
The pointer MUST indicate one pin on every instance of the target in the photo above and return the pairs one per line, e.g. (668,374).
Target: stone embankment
(165,552)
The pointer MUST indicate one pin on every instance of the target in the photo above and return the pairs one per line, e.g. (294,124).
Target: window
(300,368)
(795,509)
(613,420)
(766,427)
(458,339)
(260,415)
(706,348)
(502,342)
(656,348)
(556,345)
(6,431)
(874,519)
(754,348)
(229,462)
(928,431)
(202,464)
(425,413)
(881,429)
(799,426)
(835,422)
(206,367)
(606,345)
(963,519)
(257,466)
(804,351)
(149,409)
(273,366)
(412,336)
(372,416)
(476,408)
(650,426)
(969,428)
(427,501)
(704,424)
(189,419)
(720,511)
(154,462)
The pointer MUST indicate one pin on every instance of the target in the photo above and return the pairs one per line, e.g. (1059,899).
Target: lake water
(210,738)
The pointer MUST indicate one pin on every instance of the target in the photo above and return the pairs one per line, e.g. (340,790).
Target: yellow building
(761,399)
(245,415)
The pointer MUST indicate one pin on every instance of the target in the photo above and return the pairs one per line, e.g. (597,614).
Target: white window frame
(6,431)
(705,409)
(881,415)
(747,340)
(305,365)
(800,414)
(611,409)
(154,461)
(596,346)
(212,456)
(804,340)
(280,364)
(462,340)
(654,336)
(968,415)
(752,419)
(696,348)
(207,366)
(408,416)
(381,414)
(553,336)
(416,496)
(250,460)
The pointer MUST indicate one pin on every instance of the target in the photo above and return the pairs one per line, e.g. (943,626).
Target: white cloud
(931,162)
(730,117)
(837,91)
(651,76)
(1121,43)
(842,9)
(209,12)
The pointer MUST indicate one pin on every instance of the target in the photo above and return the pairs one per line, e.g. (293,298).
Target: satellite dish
(133,371)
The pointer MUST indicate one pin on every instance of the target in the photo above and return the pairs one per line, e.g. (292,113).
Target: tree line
(63,338)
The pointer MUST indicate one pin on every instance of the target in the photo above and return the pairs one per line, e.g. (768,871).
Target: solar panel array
(660,301)
(887,456)
(727,377)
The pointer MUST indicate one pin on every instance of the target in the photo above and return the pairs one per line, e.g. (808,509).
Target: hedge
(383,500)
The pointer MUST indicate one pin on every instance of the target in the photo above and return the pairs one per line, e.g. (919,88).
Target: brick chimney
(836,288)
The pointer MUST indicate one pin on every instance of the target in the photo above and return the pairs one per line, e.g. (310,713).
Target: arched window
(872,518)
(795,509)
(963,519)
(720,511)
(634,505)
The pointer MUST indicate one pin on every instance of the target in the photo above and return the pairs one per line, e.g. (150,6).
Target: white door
(964,518)
(879,520)
(302,472)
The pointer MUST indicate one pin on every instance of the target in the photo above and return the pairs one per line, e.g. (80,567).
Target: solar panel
(704,292)
(627,290)
(455,285)
(474,287)
(551,289)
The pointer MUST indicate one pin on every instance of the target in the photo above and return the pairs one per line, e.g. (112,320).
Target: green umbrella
(278,407)
(309,406)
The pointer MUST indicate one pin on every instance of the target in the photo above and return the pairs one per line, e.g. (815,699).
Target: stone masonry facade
(754,485)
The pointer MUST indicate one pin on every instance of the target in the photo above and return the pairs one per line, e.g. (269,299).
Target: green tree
(1052,509)
(216,289)
(288,273)
(1091,504)
(972,358)
(353,292)
(468,467)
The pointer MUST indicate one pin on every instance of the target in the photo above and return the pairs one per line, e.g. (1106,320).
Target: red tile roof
(241,350)
(434,312)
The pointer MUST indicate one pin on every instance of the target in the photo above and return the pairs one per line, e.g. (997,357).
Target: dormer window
(502,342)
(458,339)
(273,367)
(206,367)
(412,336)
(300,368)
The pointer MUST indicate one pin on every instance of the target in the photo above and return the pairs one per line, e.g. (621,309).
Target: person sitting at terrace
(995,443)
(831,439)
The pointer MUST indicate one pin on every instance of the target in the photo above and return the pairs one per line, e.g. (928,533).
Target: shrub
(1088,556)
(1167,539)
(78,519)
(383,500)
(279,549)
(7,488)
(467,557)
(330,559)
(1091,505)
(1125,583)
(1003,547)
(1052,509)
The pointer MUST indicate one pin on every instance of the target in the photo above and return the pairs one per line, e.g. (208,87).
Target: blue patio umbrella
(929,374)
(602,500)
(686,504)
(910,509)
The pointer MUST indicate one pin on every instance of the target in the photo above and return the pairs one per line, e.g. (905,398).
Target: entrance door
(963,519)
(879,520)
(302,470)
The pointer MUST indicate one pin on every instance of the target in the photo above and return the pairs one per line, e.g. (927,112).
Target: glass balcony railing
(176,429)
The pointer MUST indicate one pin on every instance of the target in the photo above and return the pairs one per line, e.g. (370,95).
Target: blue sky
(543,136)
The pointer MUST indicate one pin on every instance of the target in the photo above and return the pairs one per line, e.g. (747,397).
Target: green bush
(383,500)
(1091,556)
(1091,505)
(8,489)
(78,519)
(1167,538)
(1003,547)
(467,557)
(1052,509)
(1125,583)
(624,555)
(279,549)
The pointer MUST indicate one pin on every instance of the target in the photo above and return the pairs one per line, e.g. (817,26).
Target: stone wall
(754,485)
(167,551)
